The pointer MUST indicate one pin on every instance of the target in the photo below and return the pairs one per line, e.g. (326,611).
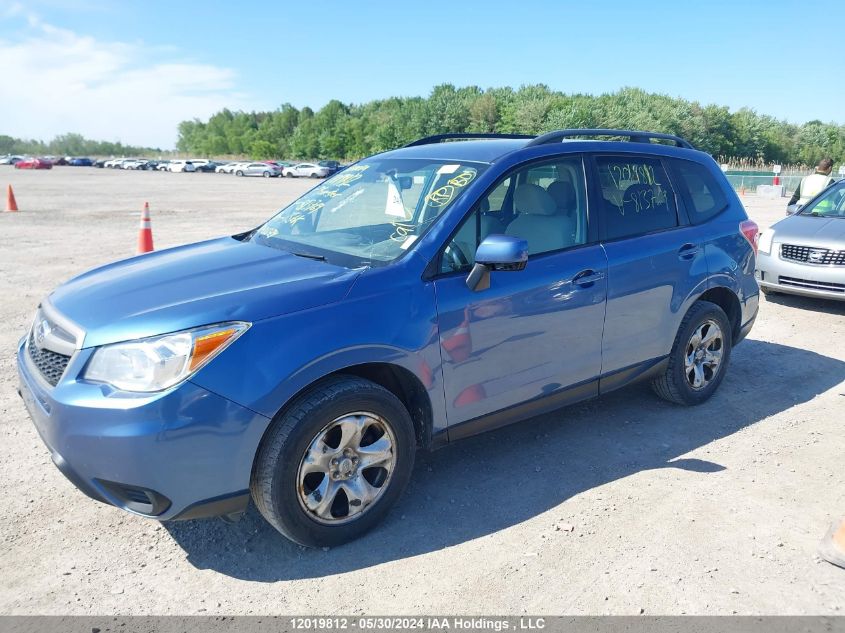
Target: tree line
(71,145)
(350,131)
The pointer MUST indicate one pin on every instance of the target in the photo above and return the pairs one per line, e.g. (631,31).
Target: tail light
(751,232)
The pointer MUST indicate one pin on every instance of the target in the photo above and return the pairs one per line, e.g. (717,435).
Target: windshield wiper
(318,258)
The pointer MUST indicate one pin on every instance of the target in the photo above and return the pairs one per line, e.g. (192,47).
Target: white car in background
(133,163)
(306,170)
(113,163)
(181,166)
(229,168)
(10,160)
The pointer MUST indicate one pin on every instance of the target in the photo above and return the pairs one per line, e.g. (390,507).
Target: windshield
(370,213)
(830,204)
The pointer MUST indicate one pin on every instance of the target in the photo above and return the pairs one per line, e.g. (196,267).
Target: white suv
(181,165)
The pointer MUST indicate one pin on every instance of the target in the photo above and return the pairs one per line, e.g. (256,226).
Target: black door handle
(688,251)
(587,278)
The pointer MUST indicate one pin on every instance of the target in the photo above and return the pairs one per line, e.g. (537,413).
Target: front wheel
(266,174)
(331,467)
(239,173)
(699,357)
(289,174)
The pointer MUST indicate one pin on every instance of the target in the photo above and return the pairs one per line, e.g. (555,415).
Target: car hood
(198,284)
(805,230)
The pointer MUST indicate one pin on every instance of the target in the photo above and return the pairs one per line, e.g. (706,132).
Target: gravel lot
(618,506)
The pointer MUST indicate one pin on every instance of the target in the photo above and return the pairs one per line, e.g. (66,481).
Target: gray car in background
(804,254)
(257,169)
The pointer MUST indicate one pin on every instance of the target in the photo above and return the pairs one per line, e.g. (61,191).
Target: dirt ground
(623,505)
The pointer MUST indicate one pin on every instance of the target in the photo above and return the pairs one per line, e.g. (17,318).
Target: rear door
(655,259)
(533,336)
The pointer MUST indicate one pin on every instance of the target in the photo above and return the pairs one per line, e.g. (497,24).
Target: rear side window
(636,196)
(700,190)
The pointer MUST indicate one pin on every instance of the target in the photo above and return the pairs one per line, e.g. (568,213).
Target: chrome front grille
(50,364)
(52,341)
(812,255)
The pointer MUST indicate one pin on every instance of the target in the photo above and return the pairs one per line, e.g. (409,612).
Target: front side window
(370,213)
(830,204)
(636,196)
(544,204)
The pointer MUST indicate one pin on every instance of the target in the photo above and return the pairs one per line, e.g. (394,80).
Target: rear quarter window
(702,194)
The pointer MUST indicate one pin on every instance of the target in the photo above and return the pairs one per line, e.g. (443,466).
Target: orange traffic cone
(11,203)
(832,548)
(145,231)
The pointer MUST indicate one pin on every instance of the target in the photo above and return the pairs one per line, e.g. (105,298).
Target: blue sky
(131,71)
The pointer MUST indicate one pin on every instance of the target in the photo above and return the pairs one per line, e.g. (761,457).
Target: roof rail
(439,138)
(634,136)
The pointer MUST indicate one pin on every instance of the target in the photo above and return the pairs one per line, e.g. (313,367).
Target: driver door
(532,340)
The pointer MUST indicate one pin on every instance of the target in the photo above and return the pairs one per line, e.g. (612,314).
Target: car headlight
(764,244)
(156,363)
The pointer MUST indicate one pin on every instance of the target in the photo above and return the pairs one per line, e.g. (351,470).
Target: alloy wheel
(703,356)
(346,468)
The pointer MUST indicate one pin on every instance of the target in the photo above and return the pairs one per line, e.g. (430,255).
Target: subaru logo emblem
(817,255)
(42,331)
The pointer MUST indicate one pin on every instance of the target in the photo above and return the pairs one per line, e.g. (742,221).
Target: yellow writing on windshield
(441,197)
(463,179)
(309,206)
(402,231)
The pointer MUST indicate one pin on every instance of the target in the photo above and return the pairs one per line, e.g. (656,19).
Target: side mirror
(792,209)
(496,252)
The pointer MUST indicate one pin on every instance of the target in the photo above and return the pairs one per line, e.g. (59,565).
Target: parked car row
(12,159)
(33,163)
(266,169)
(275,169)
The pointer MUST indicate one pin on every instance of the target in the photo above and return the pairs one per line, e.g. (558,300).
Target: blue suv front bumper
(182,453)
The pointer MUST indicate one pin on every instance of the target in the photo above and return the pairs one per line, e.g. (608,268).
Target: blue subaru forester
(420,296)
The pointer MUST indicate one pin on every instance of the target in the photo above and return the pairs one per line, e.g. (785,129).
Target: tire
(768,291)
(239,173)
(677,382)
(289,175)
(281,488)
(266,174)
(315,175)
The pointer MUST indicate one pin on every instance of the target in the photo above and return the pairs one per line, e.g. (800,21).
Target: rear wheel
(699,357)
(333,464)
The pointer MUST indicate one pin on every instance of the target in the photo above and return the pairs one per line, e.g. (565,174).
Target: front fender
(279,357)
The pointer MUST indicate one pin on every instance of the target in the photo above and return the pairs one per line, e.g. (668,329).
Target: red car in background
(34,163)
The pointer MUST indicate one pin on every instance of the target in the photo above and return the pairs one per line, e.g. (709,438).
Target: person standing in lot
(814,183)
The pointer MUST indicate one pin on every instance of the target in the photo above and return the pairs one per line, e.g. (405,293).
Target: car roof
(480,151)
(488,151)
(468,146)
